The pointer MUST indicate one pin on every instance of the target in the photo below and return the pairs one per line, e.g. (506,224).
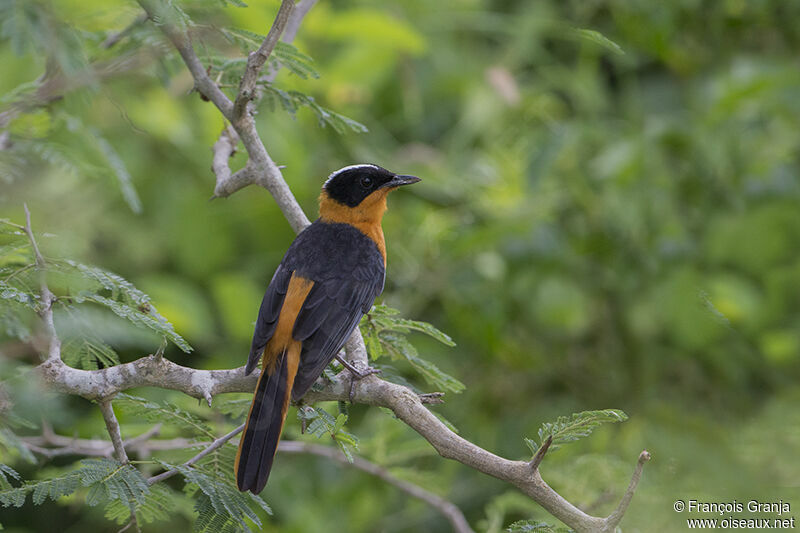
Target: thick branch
(448,509)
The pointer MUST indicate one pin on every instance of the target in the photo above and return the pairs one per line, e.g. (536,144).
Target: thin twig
(180,40)
(211,447)
(256,60)
(537,459)
(47,297)
(113,430)
(114,38)
(614,518)
(301,8)
(446,508)
(39,259)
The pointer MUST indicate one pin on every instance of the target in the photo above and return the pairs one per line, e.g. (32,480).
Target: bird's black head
(350,185)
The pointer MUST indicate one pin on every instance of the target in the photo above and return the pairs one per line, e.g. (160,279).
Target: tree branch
(210,448)
(371,390)
(264,170)
(142,443)
(256,60)
(614,518)
(227,184)
(223,150)
(448,509)
(114,38)
(113,430)
(183,44)
(537,459)
(47,297)
(51,445)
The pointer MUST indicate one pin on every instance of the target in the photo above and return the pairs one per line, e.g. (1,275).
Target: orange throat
(366,216)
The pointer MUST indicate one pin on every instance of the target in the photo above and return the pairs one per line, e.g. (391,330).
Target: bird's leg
(355,373)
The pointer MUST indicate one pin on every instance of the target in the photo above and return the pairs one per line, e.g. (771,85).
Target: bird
(328,279)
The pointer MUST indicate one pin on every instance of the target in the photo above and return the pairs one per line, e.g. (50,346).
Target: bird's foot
(355,373)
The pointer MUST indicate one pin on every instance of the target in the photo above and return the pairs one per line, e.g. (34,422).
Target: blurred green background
(596,227)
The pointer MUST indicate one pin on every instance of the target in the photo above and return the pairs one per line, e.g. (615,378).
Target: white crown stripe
(351,167)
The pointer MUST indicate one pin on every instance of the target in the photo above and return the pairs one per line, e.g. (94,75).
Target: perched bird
(328,279)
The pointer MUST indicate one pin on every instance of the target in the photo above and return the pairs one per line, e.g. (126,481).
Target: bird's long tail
(265,420)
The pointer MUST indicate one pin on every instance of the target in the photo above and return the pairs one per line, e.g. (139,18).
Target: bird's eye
(366,182)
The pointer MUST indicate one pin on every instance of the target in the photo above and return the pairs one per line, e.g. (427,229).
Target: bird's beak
(398,180)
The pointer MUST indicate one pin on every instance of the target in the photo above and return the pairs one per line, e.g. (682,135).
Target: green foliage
(385,334)
(106,481)
(534,526)
(598,38)
(157,505)
(235,408)
(109,480)
(123,299)
(571,428)
(221,503)
(10,442)
(84,350)
(291,101)
(283,55)
(165,412)
(322,423)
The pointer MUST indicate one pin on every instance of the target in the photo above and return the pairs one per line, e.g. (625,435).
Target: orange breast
(366,216)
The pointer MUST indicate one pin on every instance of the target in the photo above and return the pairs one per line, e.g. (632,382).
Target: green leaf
(399,346)
(571,428)
(10,441)
(165,412)
(88,353)
(52,488)
(291,101)
(219,497)
(158,505)
(598,38)
(534,526)
(532,445)
(385,332)
(123,298)
(323,423)
(111,480)
(236,409)
(116,164)
(10,292)
(6,472)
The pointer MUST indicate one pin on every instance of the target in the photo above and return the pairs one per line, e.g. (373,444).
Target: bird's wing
(268,315)
(331,312)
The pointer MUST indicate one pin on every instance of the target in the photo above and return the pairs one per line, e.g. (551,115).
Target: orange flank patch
(282,338)
(366,216)
(292,363)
